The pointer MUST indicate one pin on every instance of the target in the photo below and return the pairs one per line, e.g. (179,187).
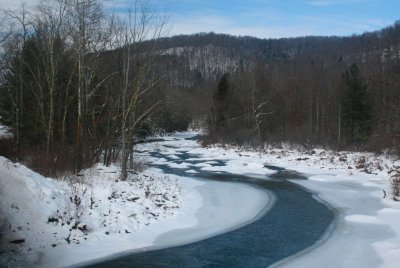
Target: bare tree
(258,110)
(137,60)
(49,24)
(90,34)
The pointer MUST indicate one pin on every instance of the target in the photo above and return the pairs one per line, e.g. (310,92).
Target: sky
(268,18)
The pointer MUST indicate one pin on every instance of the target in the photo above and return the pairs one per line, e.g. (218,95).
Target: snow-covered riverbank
(153,210)
(367,232)
(210,209)
(356,185)
(41,217)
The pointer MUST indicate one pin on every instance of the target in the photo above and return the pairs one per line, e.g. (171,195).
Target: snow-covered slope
(27,201)
(40,215)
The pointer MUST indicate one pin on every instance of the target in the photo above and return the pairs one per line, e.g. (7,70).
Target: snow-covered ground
(43,216)
(55,223)
(356,185)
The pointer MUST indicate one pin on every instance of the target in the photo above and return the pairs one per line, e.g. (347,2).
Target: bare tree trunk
(124,173)
(317,115)
(339,127)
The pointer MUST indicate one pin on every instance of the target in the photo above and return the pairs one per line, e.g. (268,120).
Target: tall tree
(221,103)
(85,26)
(357,107)
(136,76)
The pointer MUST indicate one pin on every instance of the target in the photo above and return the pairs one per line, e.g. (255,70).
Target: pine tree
(357,106)
(221,101)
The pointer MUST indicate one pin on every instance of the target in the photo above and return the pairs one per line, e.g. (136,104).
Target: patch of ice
(363,219)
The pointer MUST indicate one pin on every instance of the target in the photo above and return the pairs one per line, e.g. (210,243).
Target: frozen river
(291,222)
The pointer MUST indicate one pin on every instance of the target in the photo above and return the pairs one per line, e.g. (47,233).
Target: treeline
(69,101)
(341,92)
(343,105)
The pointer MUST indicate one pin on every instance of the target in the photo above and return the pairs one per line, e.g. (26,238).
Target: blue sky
(279,18)
(268,18)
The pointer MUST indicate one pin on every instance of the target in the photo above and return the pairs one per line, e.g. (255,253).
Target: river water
(296,222)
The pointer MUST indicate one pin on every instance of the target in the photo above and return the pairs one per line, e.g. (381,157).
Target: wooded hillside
(338,91)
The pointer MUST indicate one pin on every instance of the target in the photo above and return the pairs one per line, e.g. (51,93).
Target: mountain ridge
(186,60)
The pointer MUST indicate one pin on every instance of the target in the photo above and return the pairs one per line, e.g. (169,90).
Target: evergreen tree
(223,89)
(357,108)
(20,111)
(221,102)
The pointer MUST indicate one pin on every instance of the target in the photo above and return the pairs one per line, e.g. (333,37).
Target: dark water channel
(294,223)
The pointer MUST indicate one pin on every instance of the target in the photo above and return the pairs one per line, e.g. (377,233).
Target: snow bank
(41,217)
(27,201)
(367,232)
(357,186)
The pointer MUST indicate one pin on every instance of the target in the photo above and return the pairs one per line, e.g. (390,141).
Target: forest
(338,92)
(80,85)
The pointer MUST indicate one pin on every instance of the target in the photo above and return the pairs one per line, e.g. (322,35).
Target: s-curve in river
(296,222)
